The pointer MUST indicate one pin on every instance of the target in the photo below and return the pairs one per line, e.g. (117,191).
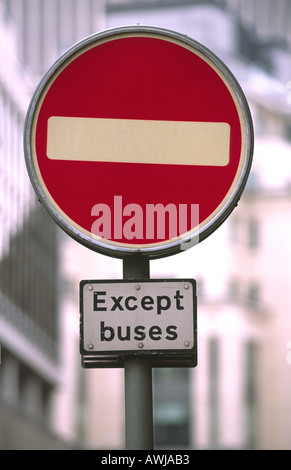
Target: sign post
(138,378)
(138,142)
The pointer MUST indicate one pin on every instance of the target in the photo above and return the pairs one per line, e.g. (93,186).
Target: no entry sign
(138,140)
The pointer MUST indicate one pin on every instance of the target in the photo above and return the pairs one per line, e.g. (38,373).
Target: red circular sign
(138,140)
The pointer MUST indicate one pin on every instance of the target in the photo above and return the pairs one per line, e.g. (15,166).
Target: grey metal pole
(138,378)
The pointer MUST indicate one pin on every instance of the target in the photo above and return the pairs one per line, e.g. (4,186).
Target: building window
(200,287)
(251,358)
(253,233)
(253,295)
(234,229)
(29,277)
(253,182)
(172,407)
(213,351)
(233,289)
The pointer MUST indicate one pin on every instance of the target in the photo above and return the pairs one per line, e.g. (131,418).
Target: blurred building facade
(238,396)
(32,35)
(29,321)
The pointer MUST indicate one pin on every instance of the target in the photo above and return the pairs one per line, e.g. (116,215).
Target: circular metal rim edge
(166,249)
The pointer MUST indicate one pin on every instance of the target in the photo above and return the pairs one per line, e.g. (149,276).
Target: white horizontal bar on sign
(138,141)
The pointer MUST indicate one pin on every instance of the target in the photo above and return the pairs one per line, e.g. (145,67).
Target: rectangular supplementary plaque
(130,316)
(138,141)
